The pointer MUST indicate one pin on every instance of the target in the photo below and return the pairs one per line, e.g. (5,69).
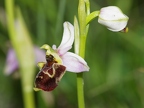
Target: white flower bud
(113,18)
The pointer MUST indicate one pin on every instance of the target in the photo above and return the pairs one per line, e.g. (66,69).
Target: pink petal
(68,38)
(11,62)
(74,63)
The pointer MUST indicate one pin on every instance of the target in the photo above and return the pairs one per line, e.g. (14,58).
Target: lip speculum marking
(50,74)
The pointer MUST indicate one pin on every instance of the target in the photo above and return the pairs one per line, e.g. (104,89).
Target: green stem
(24,51)
(82,36)
(10,17)
(82,46)
(28,96)
(80,82)
(92,16)
(80,90)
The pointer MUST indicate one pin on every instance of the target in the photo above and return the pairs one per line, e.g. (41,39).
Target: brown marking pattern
(50,74)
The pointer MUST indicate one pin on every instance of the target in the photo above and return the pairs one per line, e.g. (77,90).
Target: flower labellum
(59,60)
(50,74)
(113,18)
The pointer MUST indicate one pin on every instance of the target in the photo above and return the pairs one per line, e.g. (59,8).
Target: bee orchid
(59,60)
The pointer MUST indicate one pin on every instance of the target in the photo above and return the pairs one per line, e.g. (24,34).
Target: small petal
(113,18)
(74,63)
(68,38)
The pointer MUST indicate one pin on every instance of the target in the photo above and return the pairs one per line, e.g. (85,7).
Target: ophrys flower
(59,60)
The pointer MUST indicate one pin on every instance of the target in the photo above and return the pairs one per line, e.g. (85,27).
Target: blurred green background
(116,60)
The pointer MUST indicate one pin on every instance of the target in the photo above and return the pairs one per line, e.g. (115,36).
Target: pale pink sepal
(74,63)
(68,38)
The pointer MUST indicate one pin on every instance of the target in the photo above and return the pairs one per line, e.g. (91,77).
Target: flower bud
(113,18)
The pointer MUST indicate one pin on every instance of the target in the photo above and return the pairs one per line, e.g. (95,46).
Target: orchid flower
(12,62)
(59,60)
(113,18)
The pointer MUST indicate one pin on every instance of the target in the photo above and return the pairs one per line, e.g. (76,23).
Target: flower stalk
(91,16)
(83,11)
